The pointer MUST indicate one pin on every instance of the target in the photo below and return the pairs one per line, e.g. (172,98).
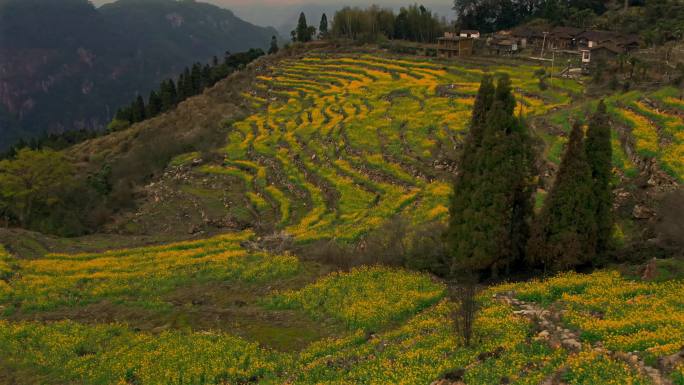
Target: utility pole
(543,44)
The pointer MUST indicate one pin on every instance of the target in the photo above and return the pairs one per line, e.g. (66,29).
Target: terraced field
(340,144)
(648,126)
(345,142)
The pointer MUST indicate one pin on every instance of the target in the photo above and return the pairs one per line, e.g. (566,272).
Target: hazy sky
(278,13)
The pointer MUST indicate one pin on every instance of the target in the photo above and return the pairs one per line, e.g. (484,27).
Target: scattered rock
(571,344)
(672,361)
(643,212)
(543,335)
(650,271)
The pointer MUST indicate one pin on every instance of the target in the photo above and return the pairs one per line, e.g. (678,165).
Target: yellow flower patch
(365,298)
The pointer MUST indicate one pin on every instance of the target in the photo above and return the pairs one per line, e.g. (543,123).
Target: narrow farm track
(556,335)
(638,326)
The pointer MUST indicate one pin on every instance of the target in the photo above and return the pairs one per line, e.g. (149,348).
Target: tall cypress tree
(491,204)
(465,184)
(483,103)
(303,32)
(564,234)
(274,46)
(323,27)
(600,157)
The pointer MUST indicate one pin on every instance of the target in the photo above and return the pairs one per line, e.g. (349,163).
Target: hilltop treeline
(656,21)
(96,58)
(414,23)
(494,15)
(189,83)
(192,81)
(41,188)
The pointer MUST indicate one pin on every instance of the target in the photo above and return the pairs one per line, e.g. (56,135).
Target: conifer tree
(168,95)
(138,110)
(196,79)
(180,88)
(303,31)
(466,180)
(564,234)
(323,27)
(124,114)
(491,204)
(600,157)
(483,103)
(206,76)
(185,87)
(274,46)
(153,105)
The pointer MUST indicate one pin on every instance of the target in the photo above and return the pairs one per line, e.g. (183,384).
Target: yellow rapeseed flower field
(339,144)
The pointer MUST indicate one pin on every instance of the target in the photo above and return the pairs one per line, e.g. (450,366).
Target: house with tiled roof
(564,38)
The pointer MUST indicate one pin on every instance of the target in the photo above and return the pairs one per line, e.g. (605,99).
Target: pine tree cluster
(492,201)
(191,82)
(305,33)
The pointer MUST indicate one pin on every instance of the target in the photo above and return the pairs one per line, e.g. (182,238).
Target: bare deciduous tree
(464,294)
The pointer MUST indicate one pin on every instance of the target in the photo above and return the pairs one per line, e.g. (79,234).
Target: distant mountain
(66,65)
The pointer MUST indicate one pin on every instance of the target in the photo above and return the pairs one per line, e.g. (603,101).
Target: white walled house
(470,33)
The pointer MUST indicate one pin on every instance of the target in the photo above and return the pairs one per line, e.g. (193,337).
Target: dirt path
(551,330)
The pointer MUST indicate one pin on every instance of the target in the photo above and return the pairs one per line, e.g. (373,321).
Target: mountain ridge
(74,74)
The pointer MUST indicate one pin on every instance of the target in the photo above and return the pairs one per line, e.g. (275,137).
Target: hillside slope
(66,65)
(216,312)
(337,144)
(307,147)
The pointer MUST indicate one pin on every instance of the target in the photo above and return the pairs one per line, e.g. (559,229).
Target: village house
(602,53)
(470,33)
(502,45)
(605,46)
(591,39)
(451,45)
(563,38)
(568,44)
(528,37)
(630,42)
